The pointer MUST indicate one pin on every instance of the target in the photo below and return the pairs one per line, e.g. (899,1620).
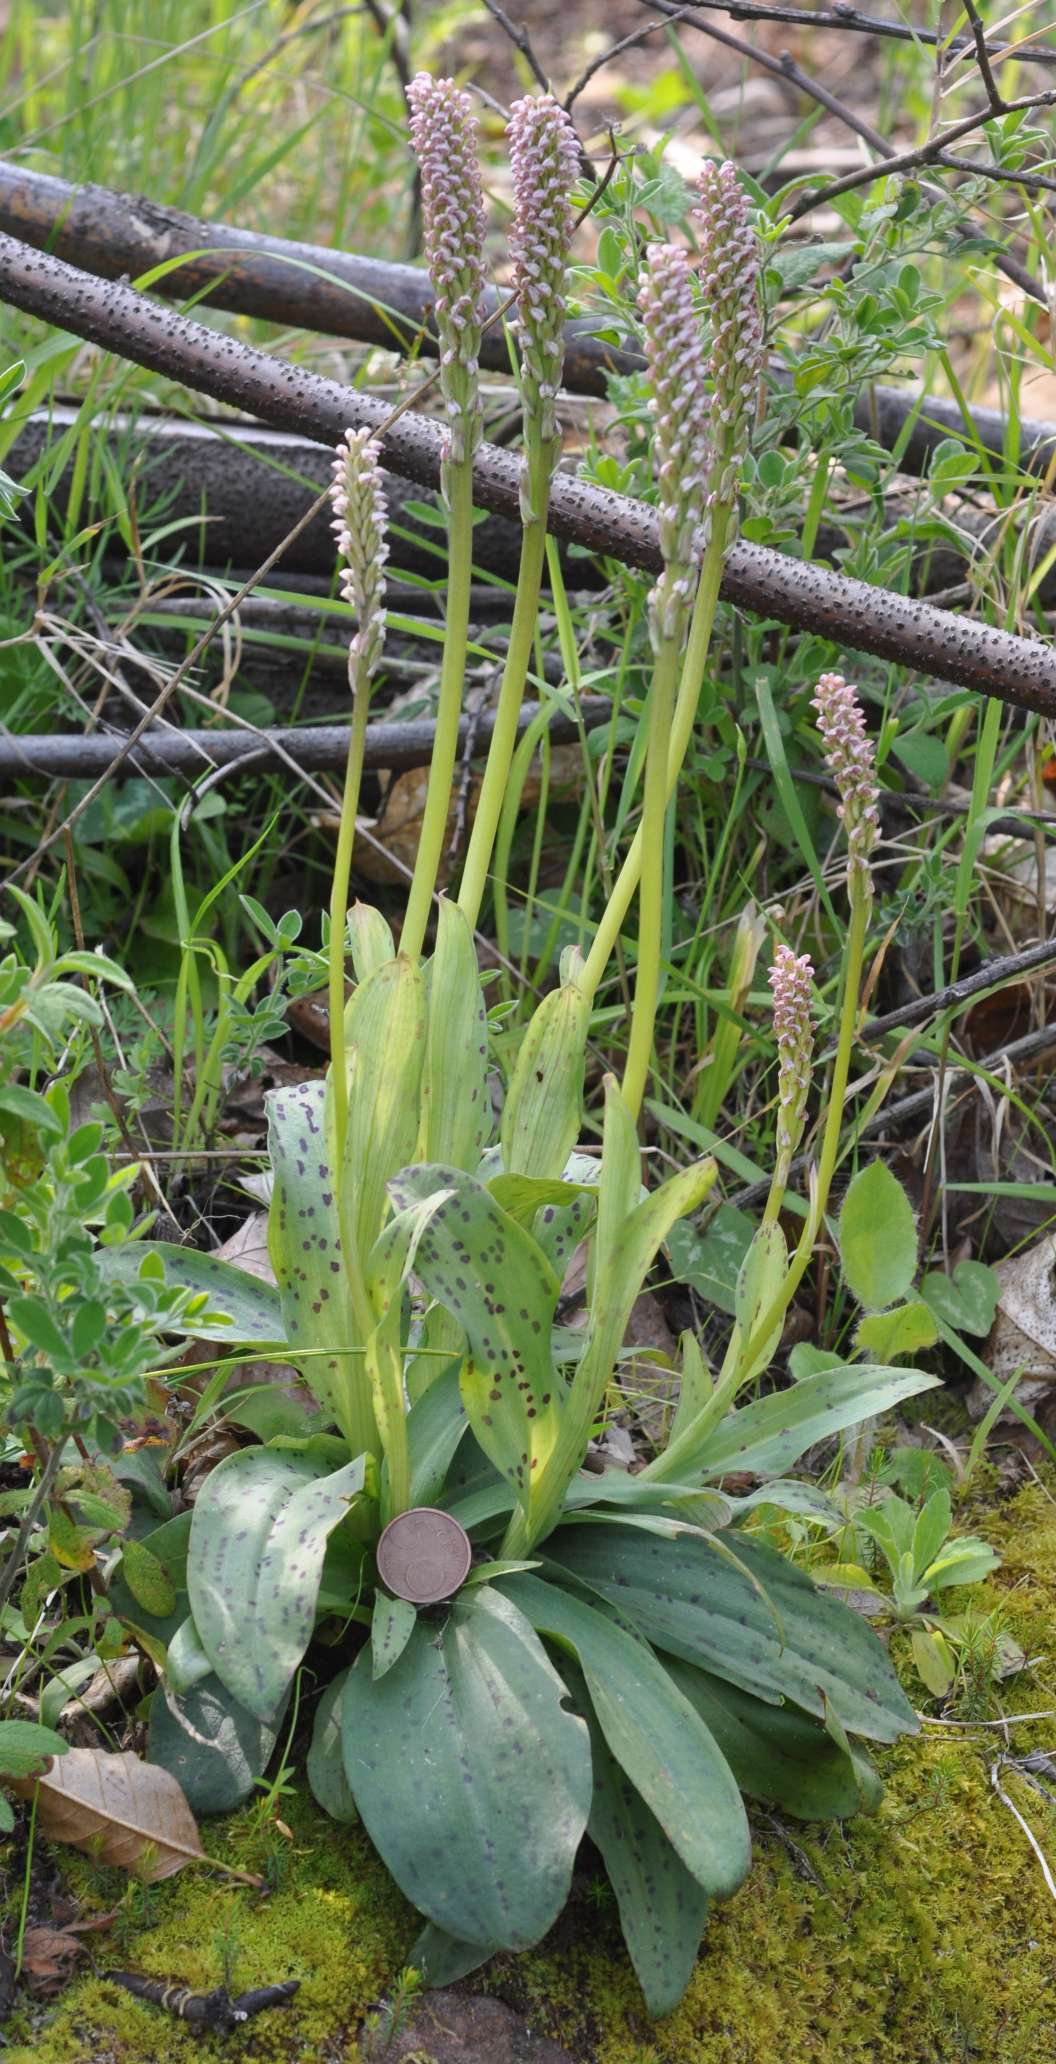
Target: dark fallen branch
(309,287)
(206,2013)
(849,613)
(253,485)
(375,302)
(994,974)
(323,747)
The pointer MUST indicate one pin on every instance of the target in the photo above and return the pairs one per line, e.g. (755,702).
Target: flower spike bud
(444,137)
(544,158)
(682,460)
(359,527)
(851,761)
(791,979)
(729,273)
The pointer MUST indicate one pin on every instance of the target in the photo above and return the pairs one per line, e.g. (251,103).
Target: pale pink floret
(444,139)
(792,979)
(682,454)
(729,277)
(360,516)
(544,159)
(851,761)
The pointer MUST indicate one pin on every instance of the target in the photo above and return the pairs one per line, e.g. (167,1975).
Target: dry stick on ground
(848,612)
(341,294)
(319,748)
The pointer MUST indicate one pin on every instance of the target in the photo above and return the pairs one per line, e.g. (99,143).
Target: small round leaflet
(424,1555)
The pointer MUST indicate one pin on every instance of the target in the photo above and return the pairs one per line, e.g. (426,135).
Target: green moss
(922,1935)
(335,1922)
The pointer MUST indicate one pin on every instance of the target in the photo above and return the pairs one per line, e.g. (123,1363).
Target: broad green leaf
(391,1627)
(436,1424)
(769,1435)
(258,1538)
(690,1602)
(26,1747)
(934,1659)
(967,1300)
(371,939)
(168,1545)
(878,1238)
(965,1561)
(210,1744)
(540,1119)
(525,1197)
(489,1273)
(40,1331)
(148,1580)
(763,1272)
(252,1311)
(304,1241)
(454,1089)
(933,1524)
(695,1387)
(325,1763)
(662,1907)
(187,1662)
(559,1228)
(710,1262)
(903,1331)
(32,1108)
(891,1523)
(471,1778)
(385,1046)
(442,1959)
(778,1753)
(652,1731)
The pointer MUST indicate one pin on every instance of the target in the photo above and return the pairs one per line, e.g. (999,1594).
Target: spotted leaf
(488,1272)
(258,1540)
(471,1777)
(304,1242)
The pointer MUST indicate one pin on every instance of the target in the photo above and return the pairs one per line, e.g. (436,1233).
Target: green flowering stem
(651,890)
(742,1355)
(339,909)
(449,708)
(685,715)
(514,676)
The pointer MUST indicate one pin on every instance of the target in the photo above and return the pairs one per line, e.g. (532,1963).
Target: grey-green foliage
(624,1651)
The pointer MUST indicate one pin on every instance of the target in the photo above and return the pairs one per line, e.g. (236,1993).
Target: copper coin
(424,1555)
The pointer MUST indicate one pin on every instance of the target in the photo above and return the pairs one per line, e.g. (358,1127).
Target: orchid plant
(517,1652)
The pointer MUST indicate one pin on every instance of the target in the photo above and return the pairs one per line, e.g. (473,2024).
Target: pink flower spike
(544,158)
(791,979)
(729,276)
(682,454)
(444,138)
(360,517)
(851,761)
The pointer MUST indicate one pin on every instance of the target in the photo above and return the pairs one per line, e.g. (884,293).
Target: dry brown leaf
(49,1954)
(118,1810)
(1024,1330)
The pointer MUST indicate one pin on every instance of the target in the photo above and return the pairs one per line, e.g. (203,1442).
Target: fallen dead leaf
(117,1809)
(50,1954)
(1024,1329)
